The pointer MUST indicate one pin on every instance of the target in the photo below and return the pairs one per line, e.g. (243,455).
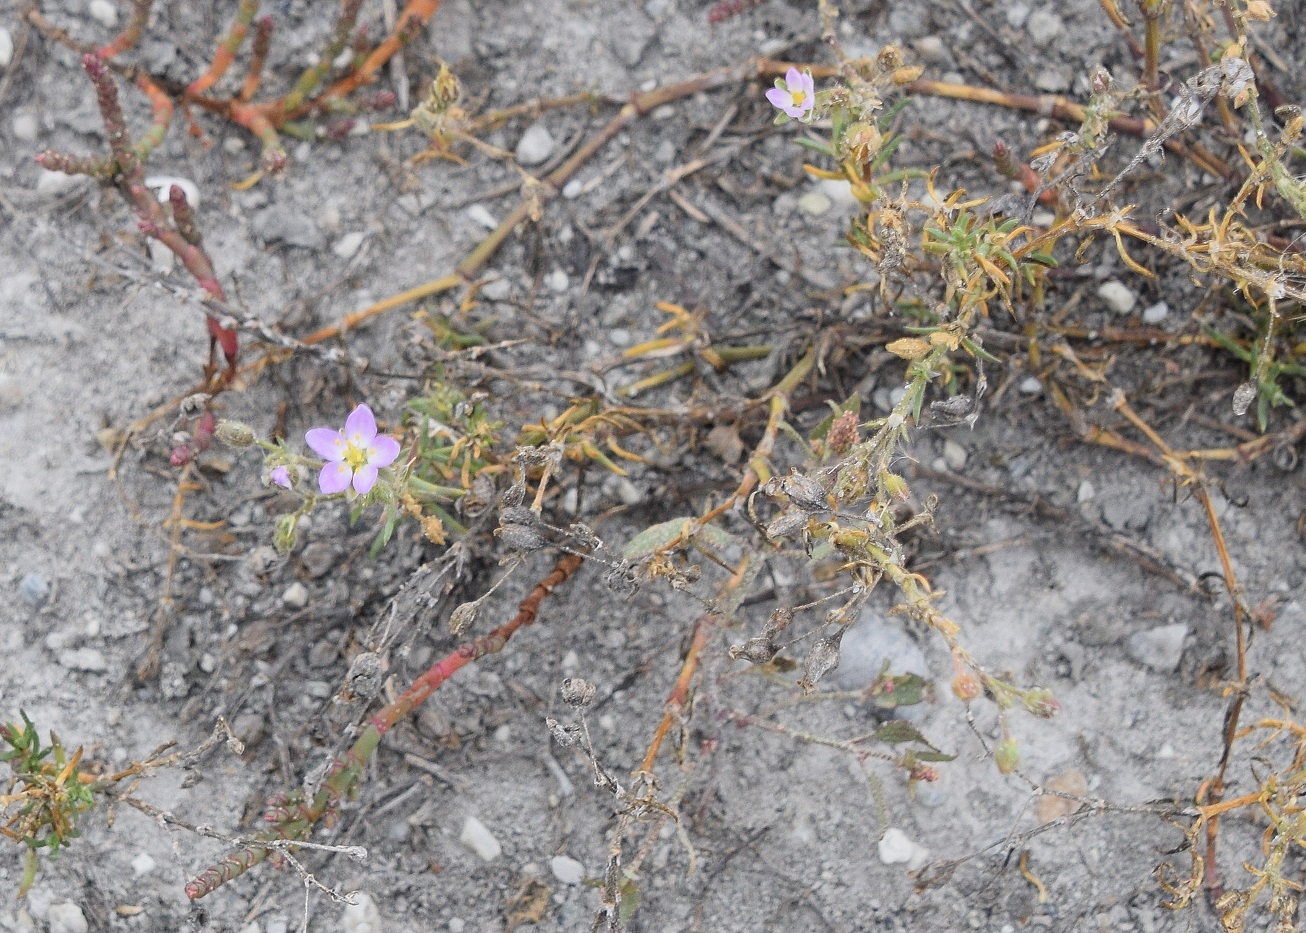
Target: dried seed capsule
(463,617)
(786,523)
(517,515)
(805,492)
(577,692)
(235,434)
(515,495)
(823,659)
(757,650)
(521,538)
(1042,703)
(565,735)
(1007,756)
(365,675)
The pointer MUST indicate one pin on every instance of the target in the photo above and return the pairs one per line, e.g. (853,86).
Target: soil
(784,835)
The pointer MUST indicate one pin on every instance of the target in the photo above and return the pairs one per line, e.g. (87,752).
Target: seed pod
(235,434)
(1042,703)
(365,675)
(463,617)
(577,692)
(778,622)
(565,735)
(1007,756)
(622,579)
(757,650)
(521,538)
(786,523)
(584,536)
(283,539)
(967,687)
(517,515)
(823,659)
(479,497)
(805,492)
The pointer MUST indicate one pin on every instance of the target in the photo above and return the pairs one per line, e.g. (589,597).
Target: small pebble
(838,191)
(479,839)
(567,870)
(278,926)
(895,848)
(931,49)
(497,289)
(161,185)
(1155,314)
(6,47)
(954,455)
(628,492)
(1049,807)
(814,204)
(1160,648)
(557,281)
(1086,492)
(665,112)
(1053,80)
(361,916)
(104,13)
(91,660)
(479,215)
(25,124)
(233,145)
(348,245)
(1117,296)
(142,864)
(1017,15)
(457,925)
(66,918)
(295,596)
(1043,26)
(536,145)
(1030,385)
(35,590)
(48,182)
(572,189)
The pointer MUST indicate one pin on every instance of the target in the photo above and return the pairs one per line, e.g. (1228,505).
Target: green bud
(284,539)
(1007,756)
(235,434)
(1042,703)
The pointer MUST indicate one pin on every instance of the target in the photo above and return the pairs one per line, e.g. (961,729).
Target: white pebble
(348,244)
(479,839)
(1030,385)
(142,864)
(497,289)
(557,281)
(48,182)
(457,925)
(1043,26)
(896,848)
(361,916)
(104,12)
(567,869)
(814,204)
(1086,492)
(25,125)
(161,185)
(295,596)
(536,145)
(480,216)
(1017,13)
(66,918)
(838,191)
(1156,313)
(6,47)
(572,189)
(1117,296)
(954,455)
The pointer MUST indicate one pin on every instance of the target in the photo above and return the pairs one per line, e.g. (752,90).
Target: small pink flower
(795,94)
(353,457)
(281,476)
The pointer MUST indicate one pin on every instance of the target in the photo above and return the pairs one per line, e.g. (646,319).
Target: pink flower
(795,94)
(281,476)
(354,456)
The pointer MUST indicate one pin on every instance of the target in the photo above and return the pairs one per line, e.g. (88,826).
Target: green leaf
(648,541)
(813,144)
(897,731)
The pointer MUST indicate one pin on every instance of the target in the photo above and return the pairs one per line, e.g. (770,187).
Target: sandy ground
(784,834)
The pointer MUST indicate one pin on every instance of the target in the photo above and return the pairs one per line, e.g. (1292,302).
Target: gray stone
(909,20)
(1017,15)
(1117,296)
(361,916)
(1155,314)
(814,204)
(48,182)
(1086,492)
(142,864)
(954,455)
(25,126)
(1126,513)
(931,49)
(1043,26)
(867,645)
(1052,80)
(35,590)
(348,245)
(66,918)
(536,145)
(295,596)
(567,870)
(90,660)
(1160,648)
(6,47)
(479,839)
(1030,385)
(104,13)
(557,281)
(282,224)
(631,40)
(479,215)
(497,289)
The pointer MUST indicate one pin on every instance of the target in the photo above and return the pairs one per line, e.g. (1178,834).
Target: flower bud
(967,687)
(284,538)
(1042,703)
(895,486)
(1007,756)
(463,616)
(235,434)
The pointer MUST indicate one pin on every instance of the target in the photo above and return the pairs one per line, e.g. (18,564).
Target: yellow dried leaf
(1259,10)
(909,348)
(945,338)
(907,74)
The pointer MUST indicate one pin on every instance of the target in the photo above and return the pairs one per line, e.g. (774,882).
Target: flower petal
(807,85)
(281,476)
(360,427)
(794,79)
(334,478)
(383,451)
(364,479)
(327,444)
(779,98)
